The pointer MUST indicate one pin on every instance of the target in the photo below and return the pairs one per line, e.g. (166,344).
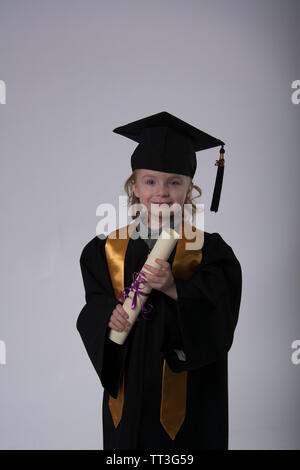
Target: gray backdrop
(74,70)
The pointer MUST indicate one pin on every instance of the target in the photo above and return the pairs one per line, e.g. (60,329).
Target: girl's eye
(173,183)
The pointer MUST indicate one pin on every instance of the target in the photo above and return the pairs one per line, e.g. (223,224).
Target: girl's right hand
(118,320)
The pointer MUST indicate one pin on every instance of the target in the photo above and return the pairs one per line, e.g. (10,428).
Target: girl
(166,386)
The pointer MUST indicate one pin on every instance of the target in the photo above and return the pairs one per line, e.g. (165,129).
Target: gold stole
(174,384)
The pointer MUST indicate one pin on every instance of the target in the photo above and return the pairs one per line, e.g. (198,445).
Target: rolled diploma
(162,249)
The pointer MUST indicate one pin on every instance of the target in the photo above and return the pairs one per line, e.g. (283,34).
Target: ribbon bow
(137,285)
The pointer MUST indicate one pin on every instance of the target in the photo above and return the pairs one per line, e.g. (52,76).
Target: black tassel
(219,180)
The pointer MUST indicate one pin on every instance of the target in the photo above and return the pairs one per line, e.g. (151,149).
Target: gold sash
(174,384)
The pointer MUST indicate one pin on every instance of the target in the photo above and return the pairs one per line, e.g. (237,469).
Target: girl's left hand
(160,278)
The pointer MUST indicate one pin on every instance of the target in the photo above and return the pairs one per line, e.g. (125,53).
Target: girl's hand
(118,320)
(159,278)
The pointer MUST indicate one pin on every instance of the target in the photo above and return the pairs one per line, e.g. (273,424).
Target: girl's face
(157,187)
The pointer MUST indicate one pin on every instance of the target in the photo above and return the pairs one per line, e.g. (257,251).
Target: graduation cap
(168,144)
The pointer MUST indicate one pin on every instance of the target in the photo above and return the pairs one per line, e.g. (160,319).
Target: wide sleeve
(207,308)
(107,357)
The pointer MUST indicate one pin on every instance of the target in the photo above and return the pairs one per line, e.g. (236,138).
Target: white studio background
(74,70)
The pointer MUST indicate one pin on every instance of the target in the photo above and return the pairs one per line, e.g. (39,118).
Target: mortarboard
(168,144)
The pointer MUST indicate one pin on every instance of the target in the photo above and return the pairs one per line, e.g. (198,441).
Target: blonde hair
(132,199)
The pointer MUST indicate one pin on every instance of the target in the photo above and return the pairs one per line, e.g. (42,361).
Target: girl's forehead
(160,174)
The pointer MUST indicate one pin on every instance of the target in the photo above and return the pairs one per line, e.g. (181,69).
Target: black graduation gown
(201,323)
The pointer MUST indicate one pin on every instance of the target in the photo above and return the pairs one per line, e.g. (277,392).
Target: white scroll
(162,249)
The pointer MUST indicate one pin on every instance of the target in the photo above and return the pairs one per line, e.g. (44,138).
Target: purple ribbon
(137,285)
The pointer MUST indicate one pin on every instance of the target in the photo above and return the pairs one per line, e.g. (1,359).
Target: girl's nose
(162,190)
